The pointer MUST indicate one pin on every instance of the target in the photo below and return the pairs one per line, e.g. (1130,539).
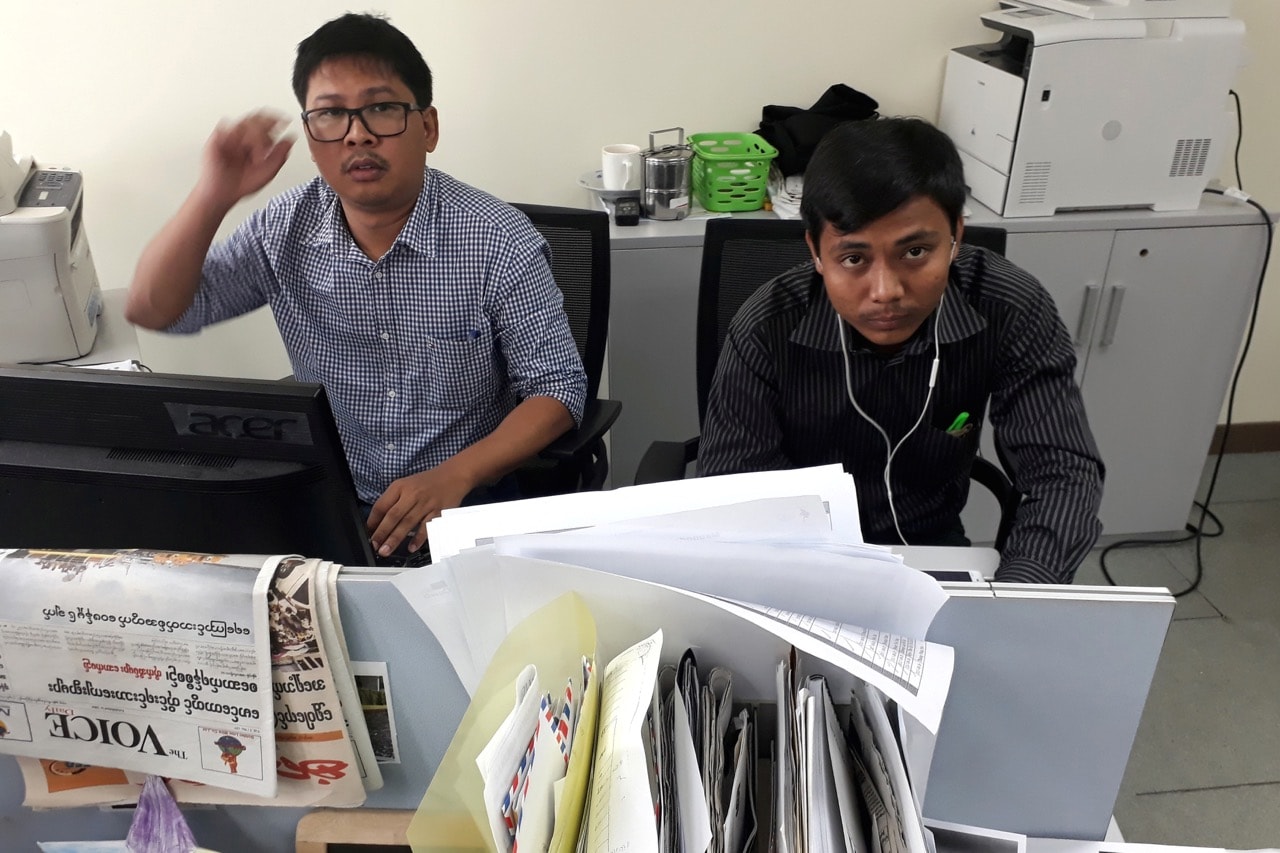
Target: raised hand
(242,157)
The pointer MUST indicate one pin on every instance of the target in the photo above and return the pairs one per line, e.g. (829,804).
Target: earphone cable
(891,450)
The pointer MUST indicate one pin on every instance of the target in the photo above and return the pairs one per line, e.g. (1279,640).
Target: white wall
(128,91)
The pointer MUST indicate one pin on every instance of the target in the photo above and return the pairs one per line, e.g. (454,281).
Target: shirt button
(391,445)
(391,393)
(385,336)
(378,275)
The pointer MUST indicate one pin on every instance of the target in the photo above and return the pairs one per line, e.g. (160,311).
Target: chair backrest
(986,236)
(740,255)
(579,241)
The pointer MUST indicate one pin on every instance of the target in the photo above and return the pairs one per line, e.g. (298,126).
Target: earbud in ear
(955,248)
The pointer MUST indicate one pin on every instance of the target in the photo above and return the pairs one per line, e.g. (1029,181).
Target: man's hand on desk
(409,503)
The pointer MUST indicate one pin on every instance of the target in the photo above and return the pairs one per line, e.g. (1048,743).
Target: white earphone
(891,449)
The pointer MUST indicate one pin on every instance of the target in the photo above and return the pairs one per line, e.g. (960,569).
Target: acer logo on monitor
(235,423)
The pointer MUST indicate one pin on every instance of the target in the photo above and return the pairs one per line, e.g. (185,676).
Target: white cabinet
(1073,267)
(1156,304)
(1156,315)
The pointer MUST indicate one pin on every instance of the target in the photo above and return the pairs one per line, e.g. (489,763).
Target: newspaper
(148,661)
(318,736)
(344,677)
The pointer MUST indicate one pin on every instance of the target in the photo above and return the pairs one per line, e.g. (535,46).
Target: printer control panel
(51,188)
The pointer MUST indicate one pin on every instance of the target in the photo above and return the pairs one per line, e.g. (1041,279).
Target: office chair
(738,256)
(579,241)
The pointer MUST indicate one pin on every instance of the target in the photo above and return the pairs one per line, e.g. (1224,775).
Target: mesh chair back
(738,256)
(579,241)
(986,236)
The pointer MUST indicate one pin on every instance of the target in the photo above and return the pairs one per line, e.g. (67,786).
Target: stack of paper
(678,740)
(840,782)
(467,527)
(699,590)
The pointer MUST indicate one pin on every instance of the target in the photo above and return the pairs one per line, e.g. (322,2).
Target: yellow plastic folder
(555,639)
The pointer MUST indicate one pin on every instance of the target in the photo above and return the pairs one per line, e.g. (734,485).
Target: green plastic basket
(730,170)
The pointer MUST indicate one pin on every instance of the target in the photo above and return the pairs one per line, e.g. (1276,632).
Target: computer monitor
(113,459)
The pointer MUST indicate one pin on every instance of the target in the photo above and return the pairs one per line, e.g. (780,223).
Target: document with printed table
(262,628)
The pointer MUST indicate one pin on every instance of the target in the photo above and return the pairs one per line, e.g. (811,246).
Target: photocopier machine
(1087,104)
(50,300)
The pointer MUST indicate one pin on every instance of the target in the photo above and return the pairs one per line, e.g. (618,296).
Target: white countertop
(1213,210)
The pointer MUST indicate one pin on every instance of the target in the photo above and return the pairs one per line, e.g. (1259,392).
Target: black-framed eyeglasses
(385,118)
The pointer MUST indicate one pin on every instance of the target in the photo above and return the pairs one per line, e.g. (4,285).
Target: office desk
(1133,287)
(116,340)
(1048,690)
(940,558)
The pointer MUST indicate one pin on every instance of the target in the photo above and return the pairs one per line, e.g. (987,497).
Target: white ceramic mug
(620,166)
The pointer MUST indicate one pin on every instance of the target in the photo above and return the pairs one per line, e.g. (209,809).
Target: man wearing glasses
(424,306)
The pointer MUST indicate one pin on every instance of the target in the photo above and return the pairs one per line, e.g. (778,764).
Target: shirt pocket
(958,412)
(461,371)
(933,459)
(952,430)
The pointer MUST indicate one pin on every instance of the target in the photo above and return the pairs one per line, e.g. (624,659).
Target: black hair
(863,170)
(367,36)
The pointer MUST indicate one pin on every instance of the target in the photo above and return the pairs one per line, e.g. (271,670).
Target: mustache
(365,157)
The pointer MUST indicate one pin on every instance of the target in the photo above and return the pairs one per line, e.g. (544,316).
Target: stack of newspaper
(226,674)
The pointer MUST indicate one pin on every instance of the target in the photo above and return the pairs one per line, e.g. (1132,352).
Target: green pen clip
(957,425)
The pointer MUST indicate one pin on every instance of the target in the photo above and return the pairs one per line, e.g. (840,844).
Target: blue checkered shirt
(422,352)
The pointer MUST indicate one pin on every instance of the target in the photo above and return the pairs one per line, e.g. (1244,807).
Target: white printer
(49,295)
(1094,104)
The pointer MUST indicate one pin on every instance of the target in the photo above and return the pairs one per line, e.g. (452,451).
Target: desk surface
(117,340)
(1213,210)
(940,558)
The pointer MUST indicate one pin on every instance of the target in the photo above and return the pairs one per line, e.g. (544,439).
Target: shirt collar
(417,234)
(817,329)
(959,320)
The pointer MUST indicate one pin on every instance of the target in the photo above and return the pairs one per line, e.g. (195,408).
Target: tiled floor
(1205,768)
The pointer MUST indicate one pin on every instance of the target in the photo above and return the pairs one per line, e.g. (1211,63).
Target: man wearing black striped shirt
(884,352)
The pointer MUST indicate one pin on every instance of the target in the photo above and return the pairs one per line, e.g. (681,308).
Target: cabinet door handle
(1088,311)
(1113,316)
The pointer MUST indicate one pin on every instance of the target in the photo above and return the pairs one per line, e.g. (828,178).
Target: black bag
(796,131)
